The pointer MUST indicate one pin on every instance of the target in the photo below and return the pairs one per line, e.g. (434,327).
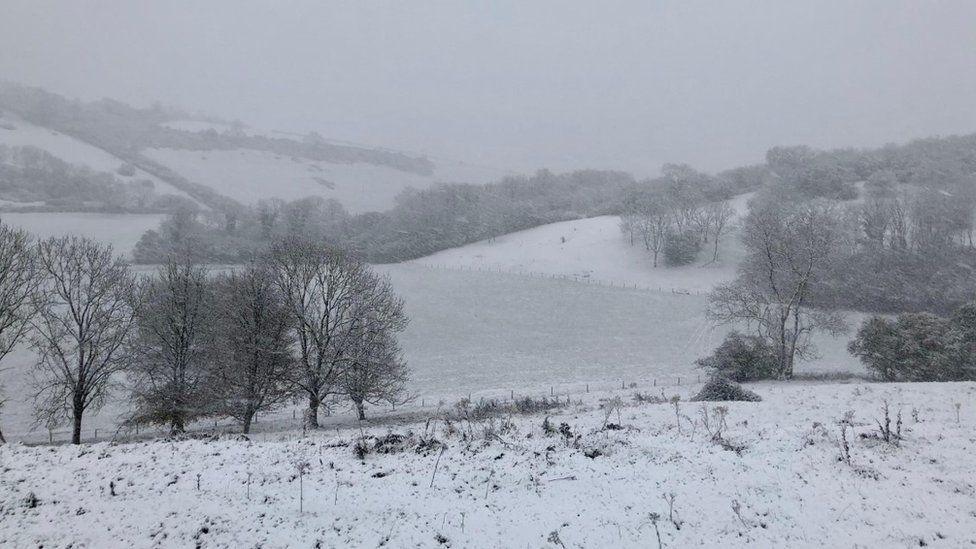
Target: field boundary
(580,279)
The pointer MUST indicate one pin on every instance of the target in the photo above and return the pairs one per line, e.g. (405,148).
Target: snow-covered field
(73,151)
(508,483)
(594,249)
(122,231)
(491,334)
(250,175)
(589,249)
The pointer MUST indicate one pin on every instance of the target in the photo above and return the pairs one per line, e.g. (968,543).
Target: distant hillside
(591,249)
(219,165)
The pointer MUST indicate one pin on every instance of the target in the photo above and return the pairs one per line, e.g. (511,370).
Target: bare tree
(653,223)
(375,371)
(328,293)
(718,214)
(19,280)
(83,325)
(253,343)
(789,248)
(173,348)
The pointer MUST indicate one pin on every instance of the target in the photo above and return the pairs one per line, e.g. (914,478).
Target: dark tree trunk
(312,414)
(248,416)
(2,440)
(177,425)
(360,410)
(76,431)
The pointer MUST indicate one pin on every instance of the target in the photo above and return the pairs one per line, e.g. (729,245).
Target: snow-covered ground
(250,175)
(506,482)
(590,249)
(122,231)
(73,151)
(595,249)
(491,334)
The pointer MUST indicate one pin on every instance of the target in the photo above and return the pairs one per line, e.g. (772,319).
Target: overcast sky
(522,83)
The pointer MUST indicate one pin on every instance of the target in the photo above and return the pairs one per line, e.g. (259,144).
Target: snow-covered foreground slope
(590,249)
(491,334)
(249,176)
(506,482)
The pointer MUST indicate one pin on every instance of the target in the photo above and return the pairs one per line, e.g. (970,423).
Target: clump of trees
(41,181)
(344,318)
(303,320)
(919,346)
(679,214)
(789,248)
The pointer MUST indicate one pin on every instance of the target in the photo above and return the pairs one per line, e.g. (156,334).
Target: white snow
(73,151)
(491,334)
(517,486)
(590,249)
(249,176)
(195,126)
(122,231)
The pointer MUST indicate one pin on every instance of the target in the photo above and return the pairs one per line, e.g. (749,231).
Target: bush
(718,389)
(915,347)
(681,248)
(742,358)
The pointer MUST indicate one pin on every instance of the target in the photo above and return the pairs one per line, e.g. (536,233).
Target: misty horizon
(517,87)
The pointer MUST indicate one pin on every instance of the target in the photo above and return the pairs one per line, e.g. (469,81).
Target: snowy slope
(510,484)
(590,249)
(249,175)
(72,151)
(491,333)
(595,249)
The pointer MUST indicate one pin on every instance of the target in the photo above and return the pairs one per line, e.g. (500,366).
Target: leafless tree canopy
(333,299)
(173,346)
(253,343)
(375,370)
(84,317)
(19,279)
(790,246)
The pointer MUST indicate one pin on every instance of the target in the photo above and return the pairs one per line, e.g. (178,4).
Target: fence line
(290,418)
(570,278)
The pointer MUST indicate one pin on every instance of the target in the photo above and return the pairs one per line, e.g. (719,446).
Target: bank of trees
(303,321)
(678,215)
(422,221)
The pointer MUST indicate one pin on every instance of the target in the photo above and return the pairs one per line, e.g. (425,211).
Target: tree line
(420,223)
(303,321)
(901,248)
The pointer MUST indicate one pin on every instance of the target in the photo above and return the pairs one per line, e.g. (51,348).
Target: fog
(521,85)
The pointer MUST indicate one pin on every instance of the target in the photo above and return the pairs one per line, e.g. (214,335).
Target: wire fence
(337,415)
(290,417)
(579,278)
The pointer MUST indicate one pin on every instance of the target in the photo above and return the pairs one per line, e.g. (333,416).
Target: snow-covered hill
(594,249)
(774,477)
(248,176)
(16,132)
